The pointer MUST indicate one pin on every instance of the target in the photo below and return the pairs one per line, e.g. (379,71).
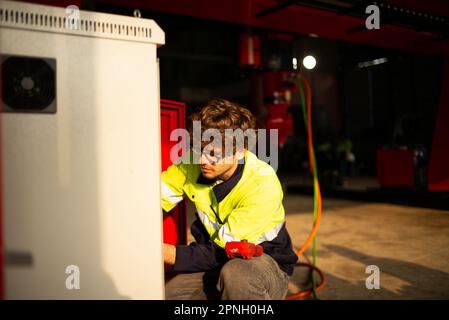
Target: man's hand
(169,254)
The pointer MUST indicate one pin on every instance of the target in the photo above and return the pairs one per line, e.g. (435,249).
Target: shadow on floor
(421,282)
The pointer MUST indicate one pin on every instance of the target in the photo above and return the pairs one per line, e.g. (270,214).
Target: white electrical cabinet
(80,154)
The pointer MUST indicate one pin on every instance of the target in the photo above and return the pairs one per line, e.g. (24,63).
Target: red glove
(242,249)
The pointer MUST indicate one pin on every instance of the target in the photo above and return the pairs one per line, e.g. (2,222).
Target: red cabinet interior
(172,117)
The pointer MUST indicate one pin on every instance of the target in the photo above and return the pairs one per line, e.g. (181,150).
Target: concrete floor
(409,245)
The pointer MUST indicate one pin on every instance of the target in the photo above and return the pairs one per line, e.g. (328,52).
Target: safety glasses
(212,156)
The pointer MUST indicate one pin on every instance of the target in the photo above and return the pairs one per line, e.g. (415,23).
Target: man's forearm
(169,254)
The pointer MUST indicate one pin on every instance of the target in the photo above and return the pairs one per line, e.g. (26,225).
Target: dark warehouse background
(379,117)
(358,112)
(388,105)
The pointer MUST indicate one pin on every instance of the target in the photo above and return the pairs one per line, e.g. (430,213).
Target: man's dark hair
(222,114)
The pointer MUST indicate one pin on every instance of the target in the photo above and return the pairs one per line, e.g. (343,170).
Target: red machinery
(277,90)
(439,159)
(395,167)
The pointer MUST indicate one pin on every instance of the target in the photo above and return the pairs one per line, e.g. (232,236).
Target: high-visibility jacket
(247,206)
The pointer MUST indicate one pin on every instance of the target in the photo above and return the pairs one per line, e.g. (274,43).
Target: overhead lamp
(309,62)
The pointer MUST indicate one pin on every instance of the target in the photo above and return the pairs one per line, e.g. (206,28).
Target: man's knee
(237,272)
(257,278)
(239,279)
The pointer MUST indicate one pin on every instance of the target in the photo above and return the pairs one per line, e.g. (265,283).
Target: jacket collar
(222,190)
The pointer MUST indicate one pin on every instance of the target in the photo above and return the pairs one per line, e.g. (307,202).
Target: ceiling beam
(282,5)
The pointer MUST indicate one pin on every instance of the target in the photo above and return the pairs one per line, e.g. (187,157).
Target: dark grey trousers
(259,278)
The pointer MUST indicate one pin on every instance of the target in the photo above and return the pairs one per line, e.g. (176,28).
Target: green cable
(303,102)
(315,185)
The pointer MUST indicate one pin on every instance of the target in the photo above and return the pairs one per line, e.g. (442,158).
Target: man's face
(214,164)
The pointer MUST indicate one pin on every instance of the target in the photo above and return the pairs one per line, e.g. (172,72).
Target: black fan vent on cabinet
(28,84)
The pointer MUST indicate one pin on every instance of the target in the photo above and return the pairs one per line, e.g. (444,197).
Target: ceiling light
(309,62)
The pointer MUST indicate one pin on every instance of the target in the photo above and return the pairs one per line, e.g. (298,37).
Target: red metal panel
(395,168)
(439,158)
(56,3)
(304,20)
(172,117)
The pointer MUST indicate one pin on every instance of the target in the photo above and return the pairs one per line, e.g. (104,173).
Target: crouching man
(237,197)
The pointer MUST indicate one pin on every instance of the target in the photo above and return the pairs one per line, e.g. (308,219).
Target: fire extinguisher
(249,50)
